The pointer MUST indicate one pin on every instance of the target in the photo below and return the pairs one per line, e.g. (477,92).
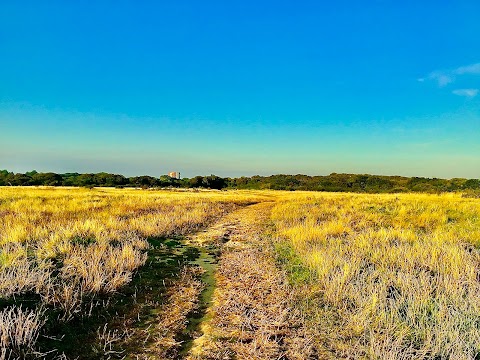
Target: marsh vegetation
(64,253)
(147,274)
(386,276)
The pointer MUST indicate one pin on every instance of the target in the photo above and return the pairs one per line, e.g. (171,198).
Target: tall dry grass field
(62,246)
(375,276)
(385,276)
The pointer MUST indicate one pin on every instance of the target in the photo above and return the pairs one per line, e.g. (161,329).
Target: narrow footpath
(249,314)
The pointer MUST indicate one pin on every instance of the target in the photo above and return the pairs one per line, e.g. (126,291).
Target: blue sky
(241,87)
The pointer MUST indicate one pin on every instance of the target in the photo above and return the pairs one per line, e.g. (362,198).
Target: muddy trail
(216,294)
(157,315)
(128,325)
(252,314)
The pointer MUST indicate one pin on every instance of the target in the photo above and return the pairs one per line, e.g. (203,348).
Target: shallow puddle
(207,260)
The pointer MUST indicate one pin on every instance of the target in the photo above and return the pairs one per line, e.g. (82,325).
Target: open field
(386,276)
(145,274)
(61,250)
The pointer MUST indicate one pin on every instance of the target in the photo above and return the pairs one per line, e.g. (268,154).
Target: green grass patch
(286,256)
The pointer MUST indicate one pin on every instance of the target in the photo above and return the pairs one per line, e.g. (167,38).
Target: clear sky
(241,87)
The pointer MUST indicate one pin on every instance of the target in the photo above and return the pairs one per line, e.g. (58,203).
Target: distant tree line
(362,183)
(34,178)
(333,182)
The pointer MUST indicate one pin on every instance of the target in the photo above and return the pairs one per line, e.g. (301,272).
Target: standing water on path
(207,260)
(132,323)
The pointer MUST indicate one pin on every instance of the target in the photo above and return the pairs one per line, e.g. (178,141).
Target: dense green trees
(333,182)
(354,183)
(50,179)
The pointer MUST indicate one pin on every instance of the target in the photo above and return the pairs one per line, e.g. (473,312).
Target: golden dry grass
(19,330)
(68,244)
(390,276)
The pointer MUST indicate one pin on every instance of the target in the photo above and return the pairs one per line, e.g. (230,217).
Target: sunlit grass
(65,245)
(391,276)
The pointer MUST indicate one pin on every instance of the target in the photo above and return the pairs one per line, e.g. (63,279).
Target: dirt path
(217,294)
(251,314)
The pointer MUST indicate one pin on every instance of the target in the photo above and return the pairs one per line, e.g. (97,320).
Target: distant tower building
(174,174)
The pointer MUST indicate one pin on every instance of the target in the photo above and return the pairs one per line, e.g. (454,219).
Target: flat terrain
(145,274)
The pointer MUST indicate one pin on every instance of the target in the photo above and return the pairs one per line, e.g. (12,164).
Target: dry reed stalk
(19,331)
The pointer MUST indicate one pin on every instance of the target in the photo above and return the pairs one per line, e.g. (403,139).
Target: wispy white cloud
(469,69)
(445,77)
(469,93)
(442,78)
